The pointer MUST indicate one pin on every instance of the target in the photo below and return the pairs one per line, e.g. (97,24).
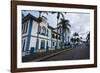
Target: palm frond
(69,25)
(68,29)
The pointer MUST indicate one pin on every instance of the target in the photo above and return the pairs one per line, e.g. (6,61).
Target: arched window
(43,30)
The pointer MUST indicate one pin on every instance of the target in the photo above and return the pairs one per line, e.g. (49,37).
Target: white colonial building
(38,37)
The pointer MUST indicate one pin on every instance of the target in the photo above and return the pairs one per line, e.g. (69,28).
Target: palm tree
(39,20)
(68,40)
(58,17)
(65,28)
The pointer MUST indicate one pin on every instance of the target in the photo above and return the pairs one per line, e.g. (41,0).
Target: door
(42,44)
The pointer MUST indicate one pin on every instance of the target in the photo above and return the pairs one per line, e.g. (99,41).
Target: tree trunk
(65,36)
(62,38)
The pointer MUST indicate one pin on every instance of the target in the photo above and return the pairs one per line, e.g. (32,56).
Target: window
(24,27)
(23,45)
(53,35)
(42,44)
(53,43)
(59,37)
(43,30)
(60,44)
(56,36)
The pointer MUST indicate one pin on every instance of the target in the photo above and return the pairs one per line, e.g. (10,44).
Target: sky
(80,22)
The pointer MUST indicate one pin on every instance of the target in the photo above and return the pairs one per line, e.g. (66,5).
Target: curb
(48,56)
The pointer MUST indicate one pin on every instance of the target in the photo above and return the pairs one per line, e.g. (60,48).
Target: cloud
(80,22)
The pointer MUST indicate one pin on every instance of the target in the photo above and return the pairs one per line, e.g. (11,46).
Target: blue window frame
(23,46)
(24,27)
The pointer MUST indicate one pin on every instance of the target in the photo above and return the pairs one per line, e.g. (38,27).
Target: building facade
(38,37)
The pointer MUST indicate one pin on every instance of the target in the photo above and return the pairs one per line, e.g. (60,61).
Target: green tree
(65,26)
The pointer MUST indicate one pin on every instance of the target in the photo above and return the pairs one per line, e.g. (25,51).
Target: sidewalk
(40,56)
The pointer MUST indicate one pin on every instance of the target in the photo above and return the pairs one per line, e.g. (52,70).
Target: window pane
(42,44)
(26,26)
(23,46)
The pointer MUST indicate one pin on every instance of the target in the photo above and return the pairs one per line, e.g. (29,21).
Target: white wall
(49,33)
(5,37)
(33,42)
(34,28)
